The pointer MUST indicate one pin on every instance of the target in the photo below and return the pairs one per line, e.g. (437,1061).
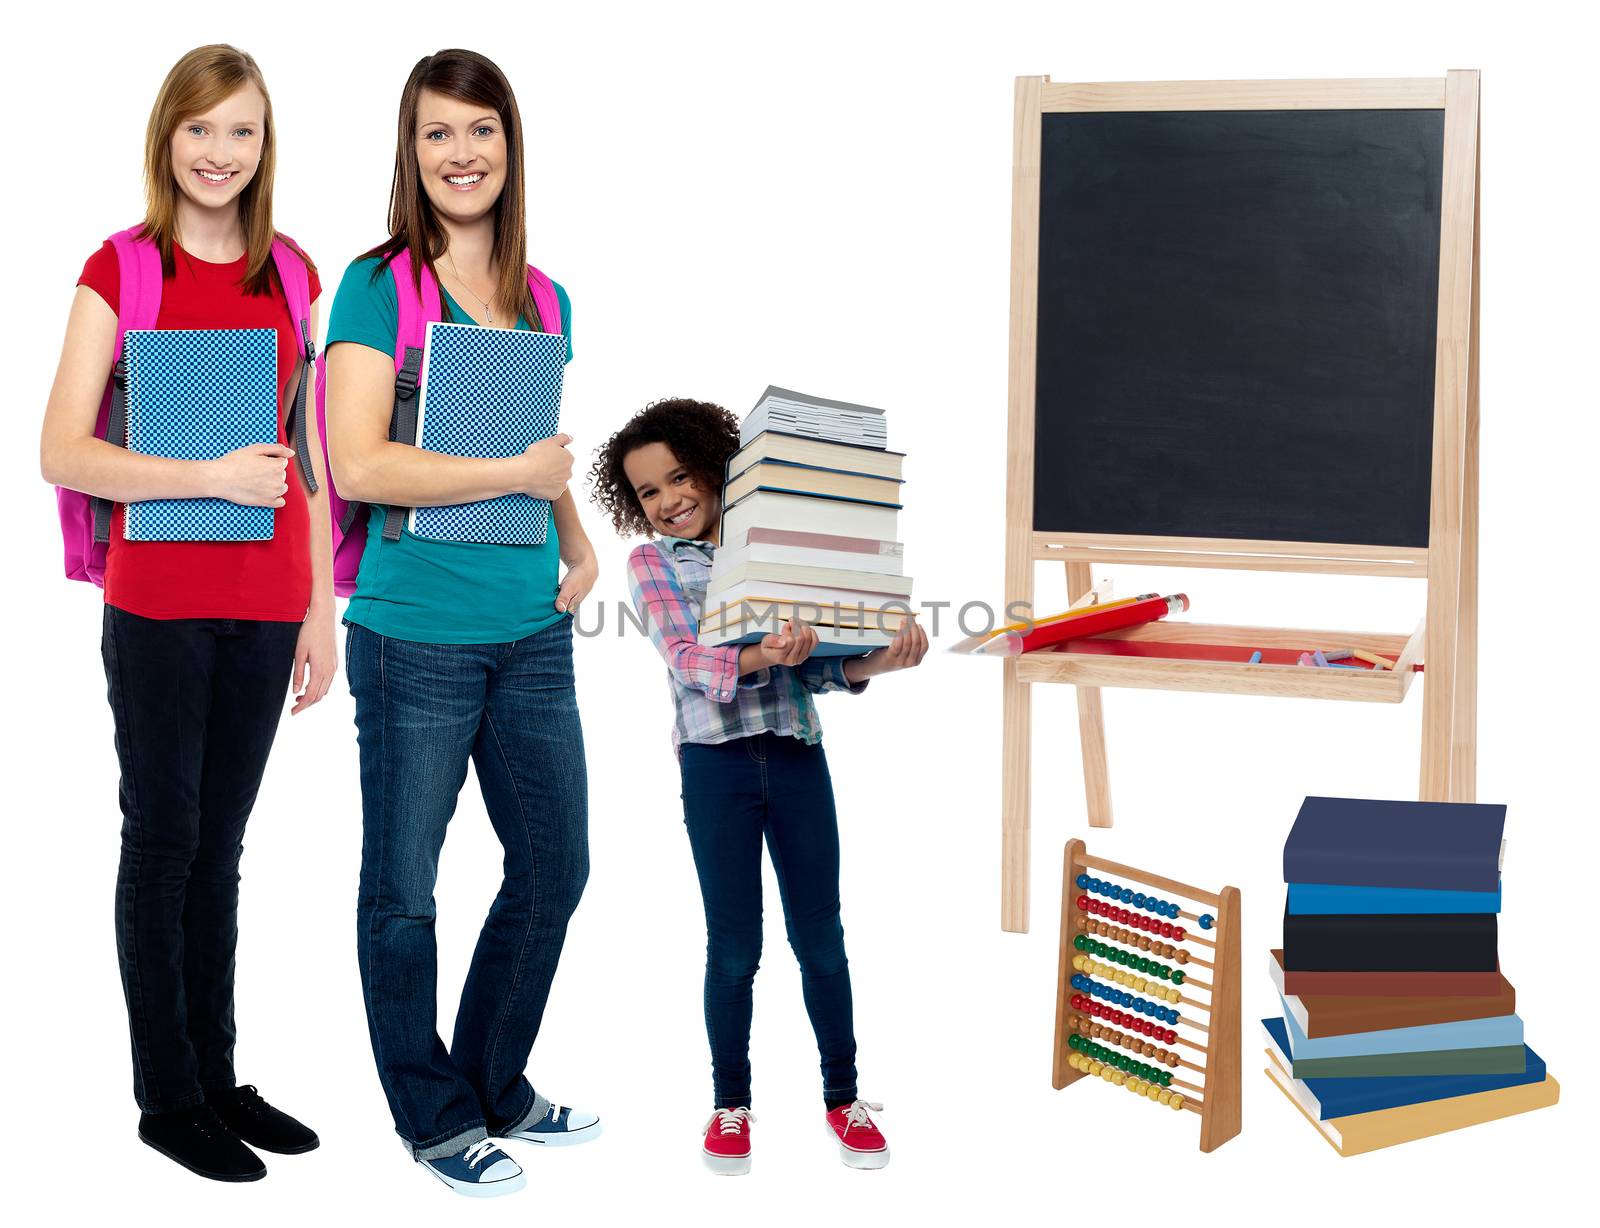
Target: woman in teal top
(489,593)
(459,652)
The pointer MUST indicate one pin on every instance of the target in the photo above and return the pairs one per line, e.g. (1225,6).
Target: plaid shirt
(713,704)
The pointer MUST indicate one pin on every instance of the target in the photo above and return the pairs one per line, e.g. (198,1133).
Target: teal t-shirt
(438,592)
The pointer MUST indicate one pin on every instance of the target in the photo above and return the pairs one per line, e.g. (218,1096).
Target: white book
(727,572)
(887,563)
(770,509)
(762,591)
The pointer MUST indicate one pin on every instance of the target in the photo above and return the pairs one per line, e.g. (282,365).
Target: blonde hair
(197,82)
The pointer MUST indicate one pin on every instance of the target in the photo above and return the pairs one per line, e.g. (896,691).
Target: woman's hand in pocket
(582,572)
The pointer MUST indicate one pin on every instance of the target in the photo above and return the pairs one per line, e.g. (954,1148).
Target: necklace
(488,312)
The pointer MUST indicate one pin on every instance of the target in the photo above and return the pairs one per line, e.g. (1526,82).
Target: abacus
(1126,976)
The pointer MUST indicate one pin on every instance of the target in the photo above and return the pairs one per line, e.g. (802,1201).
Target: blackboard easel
(1327,275)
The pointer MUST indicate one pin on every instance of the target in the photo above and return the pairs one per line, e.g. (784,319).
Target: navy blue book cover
(1344,1097)
(1390,942)
(1443,846)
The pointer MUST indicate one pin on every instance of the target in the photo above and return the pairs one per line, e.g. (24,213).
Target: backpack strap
(138,304)
(296,282)
(415,309)
(545,301)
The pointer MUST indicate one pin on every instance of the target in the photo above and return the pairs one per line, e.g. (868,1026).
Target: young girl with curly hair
(750,751)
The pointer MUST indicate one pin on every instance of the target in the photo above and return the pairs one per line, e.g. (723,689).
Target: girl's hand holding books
(905,651)
(789,647)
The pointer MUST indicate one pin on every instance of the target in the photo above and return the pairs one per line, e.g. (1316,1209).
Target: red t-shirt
(268,580)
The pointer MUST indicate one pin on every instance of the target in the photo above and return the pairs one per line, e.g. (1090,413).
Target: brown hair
(413,225)
(197,82)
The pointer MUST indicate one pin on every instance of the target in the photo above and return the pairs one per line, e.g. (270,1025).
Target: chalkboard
(1236,324)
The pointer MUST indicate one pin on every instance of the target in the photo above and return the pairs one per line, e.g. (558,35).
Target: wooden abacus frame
(1218,1089)
(1447,635)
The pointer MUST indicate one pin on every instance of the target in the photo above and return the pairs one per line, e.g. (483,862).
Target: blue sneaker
(480,1170)
(561,1127)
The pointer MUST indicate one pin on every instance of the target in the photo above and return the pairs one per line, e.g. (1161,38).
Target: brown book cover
(1343,1014)
(1384,984)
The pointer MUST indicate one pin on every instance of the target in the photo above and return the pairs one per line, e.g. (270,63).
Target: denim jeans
(422,712)
(195,703)
(734,794)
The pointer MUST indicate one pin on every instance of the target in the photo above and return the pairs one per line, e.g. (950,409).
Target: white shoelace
(856,1114)
(732,1120)
(555,1113)
(479,1151)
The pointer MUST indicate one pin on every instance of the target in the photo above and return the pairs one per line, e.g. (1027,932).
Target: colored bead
(1082,882)
(1140,899)
(1181,955)
(1177,1100)
(1207,921)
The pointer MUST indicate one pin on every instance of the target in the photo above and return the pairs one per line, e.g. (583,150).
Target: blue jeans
(422,711)
(734,794)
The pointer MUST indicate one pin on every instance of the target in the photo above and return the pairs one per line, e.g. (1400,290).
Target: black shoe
(255,1121)
(197,1139)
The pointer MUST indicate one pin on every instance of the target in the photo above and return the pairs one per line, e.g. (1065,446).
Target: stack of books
(811,502)
(1397,1023)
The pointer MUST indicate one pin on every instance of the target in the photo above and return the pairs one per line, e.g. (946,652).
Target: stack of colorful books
(1397,1023)
(811,502)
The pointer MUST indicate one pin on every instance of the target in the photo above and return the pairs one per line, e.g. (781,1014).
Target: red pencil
(1045,636)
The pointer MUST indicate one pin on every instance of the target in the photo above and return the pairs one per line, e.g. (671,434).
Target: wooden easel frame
(1220,1100)
(1447,636)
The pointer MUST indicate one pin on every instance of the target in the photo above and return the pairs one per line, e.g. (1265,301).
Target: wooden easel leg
(1464,732)
(1222,1114)
(1091,723)
(1016,766)
(1452,524)
(1061,1073)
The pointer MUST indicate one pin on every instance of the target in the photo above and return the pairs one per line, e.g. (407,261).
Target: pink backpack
(86,520)
(416,312)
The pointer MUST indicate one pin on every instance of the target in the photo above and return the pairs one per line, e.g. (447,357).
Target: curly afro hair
(701,435)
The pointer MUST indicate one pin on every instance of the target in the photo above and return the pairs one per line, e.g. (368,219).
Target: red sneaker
(861,1143)
(727,1146)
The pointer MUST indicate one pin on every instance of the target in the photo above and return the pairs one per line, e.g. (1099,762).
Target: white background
(816,196)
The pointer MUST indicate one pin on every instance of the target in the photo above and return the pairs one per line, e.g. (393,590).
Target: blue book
(488,393)
(1326,899)
(1439,846)
(1491,1033)
(1330,1098)
(197,394)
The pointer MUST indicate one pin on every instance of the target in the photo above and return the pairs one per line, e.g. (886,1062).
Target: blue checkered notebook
(197,394)
(488,392)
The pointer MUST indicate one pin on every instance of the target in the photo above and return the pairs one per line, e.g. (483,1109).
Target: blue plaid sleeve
(821,674)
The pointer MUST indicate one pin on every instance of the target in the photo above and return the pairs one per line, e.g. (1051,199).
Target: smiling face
(674,503)
(461,155)
(215,154)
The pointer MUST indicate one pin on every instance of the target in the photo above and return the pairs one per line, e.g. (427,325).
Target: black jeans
(196,703)
(734,793)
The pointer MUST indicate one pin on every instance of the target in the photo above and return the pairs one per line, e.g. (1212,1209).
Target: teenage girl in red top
(201,639)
